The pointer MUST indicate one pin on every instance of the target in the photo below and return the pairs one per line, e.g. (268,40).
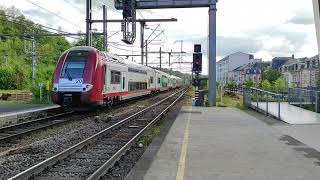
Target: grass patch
(234,100)
(147,137)
(188,100)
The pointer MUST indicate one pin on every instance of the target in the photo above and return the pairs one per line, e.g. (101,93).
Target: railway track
(16,130)
(94,156)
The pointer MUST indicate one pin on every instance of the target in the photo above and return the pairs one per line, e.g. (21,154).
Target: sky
(264,28)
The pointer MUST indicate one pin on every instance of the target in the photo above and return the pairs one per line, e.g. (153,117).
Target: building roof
(227,57)
(279,61)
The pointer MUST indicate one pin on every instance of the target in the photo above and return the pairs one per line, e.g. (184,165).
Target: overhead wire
(121,48)
(55,14)
(81,10)
(26,26)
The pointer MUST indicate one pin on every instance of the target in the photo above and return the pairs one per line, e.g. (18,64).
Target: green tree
(266,85)
(231,85)
(279,84)
(271,75)
(249,83)
(97,42)
(15,62)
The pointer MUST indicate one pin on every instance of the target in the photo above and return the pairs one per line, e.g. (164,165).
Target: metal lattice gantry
(211,4)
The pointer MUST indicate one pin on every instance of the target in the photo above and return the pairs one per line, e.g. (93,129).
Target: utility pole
(105,28)
(6,57)
(33,55)
(160,58)
(170,58)
(146,45)
(212,54)
(142,24)
(89,23)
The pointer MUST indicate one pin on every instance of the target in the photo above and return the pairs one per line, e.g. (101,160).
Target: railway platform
(13,113)
(225,144)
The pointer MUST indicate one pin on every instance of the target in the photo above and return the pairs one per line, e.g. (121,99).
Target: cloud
(228,45)
(41,14)
(302,18)
(281,42)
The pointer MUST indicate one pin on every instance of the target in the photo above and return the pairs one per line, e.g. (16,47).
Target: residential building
(252,71)
(301,72)
(277,62)
(226,65)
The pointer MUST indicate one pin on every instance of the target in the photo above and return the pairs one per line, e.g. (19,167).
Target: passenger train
(85,76)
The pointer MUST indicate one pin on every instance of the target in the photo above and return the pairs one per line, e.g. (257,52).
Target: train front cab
(73,82)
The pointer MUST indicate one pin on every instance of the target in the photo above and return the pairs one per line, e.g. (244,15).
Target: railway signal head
(127,8)
(197,62)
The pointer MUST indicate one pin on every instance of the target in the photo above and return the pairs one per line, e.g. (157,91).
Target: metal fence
(261,100)
(305,98)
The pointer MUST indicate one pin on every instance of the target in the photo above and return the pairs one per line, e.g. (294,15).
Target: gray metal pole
(33,54)
(267,104)
(160,58)
(146,45)
(212,54)
(169,59)
(142,40)
(279,106)
(105,29)
(88,21)
(317,101)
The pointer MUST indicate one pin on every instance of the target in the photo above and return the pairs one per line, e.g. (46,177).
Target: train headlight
(87,87)
(55,88)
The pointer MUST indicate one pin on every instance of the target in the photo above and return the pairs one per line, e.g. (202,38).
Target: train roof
(175,77)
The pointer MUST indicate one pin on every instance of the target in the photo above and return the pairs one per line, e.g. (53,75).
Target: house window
(115,77)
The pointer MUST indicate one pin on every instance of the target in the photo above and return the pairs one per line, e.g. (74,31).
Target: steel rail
(109,164)
(24,129)
(38,168)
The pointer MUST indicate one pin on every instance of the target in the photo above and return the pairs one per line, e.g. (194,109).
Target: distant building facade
(252,71)
(301,72)
(226,65)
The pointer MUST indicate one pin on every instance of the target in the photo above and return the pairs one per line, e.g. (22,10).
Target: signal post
(197,69)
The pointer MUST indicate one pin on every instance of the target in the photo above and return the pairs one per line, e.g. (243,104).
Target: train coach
(85,76)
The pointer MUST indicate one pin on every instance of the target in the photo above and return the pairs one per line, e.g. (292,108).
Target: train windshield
(74,65)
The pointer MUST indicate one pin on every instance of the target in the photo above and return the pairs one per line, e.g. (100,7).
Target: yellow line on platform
(183,154)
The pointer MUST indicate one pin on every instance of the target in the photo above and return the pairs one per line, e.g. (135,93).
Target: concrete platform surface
(290,114)
(13,108)
(226,144)
(308,134)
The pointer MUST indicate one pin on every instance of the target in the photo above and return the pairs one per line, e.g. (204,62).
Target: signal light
(197,62)
(127,8)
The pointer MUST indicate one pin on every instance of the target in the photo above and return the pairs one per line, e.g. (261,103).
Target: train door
(124,82)
(104,79)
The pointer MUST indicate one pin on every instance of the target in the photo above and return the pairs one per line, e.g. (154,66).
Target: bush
(7,78)
(248,83)
(279,84)
(266,85)
(231,85)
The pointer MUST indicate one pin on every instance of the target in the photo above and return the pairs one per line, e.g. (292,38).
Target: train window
(73,69)
(115,77)
(137,86)
(151,80)
(158,80)
(74,64)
